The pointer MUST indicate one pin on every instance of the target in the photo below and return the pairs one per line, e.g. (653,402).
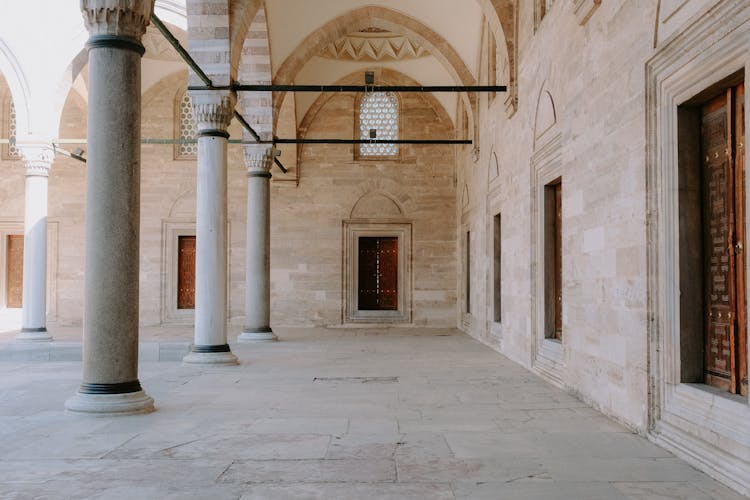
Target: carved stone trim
(37,158)
(213,109)
(117,17)
(584,9)
(259,157)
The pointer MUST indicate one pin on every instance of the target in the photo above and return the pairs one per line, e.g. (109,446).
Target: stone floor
(332,414)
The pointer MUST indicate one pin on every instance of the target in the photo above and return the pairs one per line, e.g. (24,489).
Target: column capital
(259,159)
(213,110)
(127,18)
(37,158)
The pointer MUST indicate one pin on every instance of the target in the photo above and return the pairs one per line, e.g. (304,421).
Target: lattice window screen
(379,111)
(13,151)
(187,128)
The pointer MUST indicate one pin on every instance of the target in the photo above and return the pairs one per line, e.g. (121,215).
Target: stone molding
(584,9)
(259,157)
(117,17)
(213,109)
(37,158)
(706,428)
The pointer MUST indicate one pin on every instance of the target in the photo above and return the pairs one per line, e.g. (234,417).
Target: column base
(249,336)
(110,405)
(210,355)
(34,335)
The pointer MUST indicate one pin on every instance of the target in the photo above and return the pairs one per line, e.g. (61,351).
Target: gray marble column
(259,160)
(110,325)
(38,159)
(213,111)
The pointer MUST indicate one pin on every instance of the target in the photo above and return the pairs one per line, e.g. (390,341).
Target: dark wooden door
(723,226)
(378,274)
(186,272)
(14,271)
(558,260)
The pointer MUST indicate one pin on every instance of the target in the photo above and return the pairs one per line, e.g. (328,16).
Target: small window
(185,129)
(496,265)
(378,111)
(553,259)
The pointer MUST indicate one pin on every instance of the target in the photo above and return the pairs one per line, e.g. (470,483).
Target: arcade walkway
(331,414)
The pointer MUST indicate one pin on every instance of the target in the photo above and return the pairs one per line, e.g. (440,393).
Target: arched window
(379,111)
(185,128)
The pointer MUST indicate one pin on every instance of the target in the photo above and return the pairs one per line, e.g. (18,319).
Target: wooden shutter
(14,271)
(186,272)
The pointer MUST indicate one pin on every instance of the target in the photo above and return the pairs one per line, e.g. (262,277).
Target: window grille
(379,111)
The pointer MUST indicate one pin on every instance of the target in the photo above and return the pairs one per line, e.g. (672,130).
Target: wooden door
(186,272)
(722,122)
(14,271)
(378,274)
(558,260)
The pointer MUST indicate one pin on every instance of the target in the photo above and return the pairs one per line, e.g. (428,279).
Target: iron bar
(283,141)
(278,164)
(356,88)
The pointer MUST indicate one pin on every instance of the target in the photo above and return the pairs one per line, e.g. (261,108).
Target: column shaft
(110,325)
(213,112)
(258,268)
(34,322)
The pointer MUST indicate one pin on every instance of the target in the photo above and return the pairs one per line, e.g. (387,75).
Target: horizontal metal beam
(355,88)
(284,141)
(371,141)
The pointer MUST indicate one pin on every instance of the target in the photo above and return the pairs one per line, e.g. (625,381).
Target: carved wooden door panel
(378,274)
(741,285)
(186,272)
(388,274)
(14,271)
(723,225)
(368,274)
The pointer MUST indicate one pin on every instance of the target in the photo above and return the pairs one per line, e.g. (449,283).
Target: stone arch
(241,16)
(387,76)
(493,172)
(254,67)
(378,17)
(545,117)
(183,206)
(376,205)
(172,12)
(391,189)
(502,16)
(17,83)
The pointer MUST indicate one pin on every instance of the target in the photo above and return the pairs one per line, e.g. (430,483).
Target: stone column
(213,111)
(38,159)
(110,326)
(259,160)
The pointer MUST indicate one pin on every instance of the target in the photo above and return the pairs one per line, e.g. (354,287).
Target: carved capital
(259,158)
(37,158)
(213,109)
(117,17)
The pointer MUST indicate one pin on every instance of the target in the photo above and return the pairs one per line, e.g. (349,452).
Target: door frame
(352,231)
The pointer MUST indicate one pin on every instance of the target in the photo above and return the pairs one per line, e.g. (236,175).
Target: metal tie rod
(355,88)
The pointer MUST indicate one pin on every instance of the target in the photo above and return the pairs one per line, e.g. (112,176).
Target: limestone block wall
(307,222)
(581,115)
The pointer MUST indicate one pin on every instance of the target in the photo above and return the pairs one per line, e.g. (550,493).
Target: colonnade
(110,382)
